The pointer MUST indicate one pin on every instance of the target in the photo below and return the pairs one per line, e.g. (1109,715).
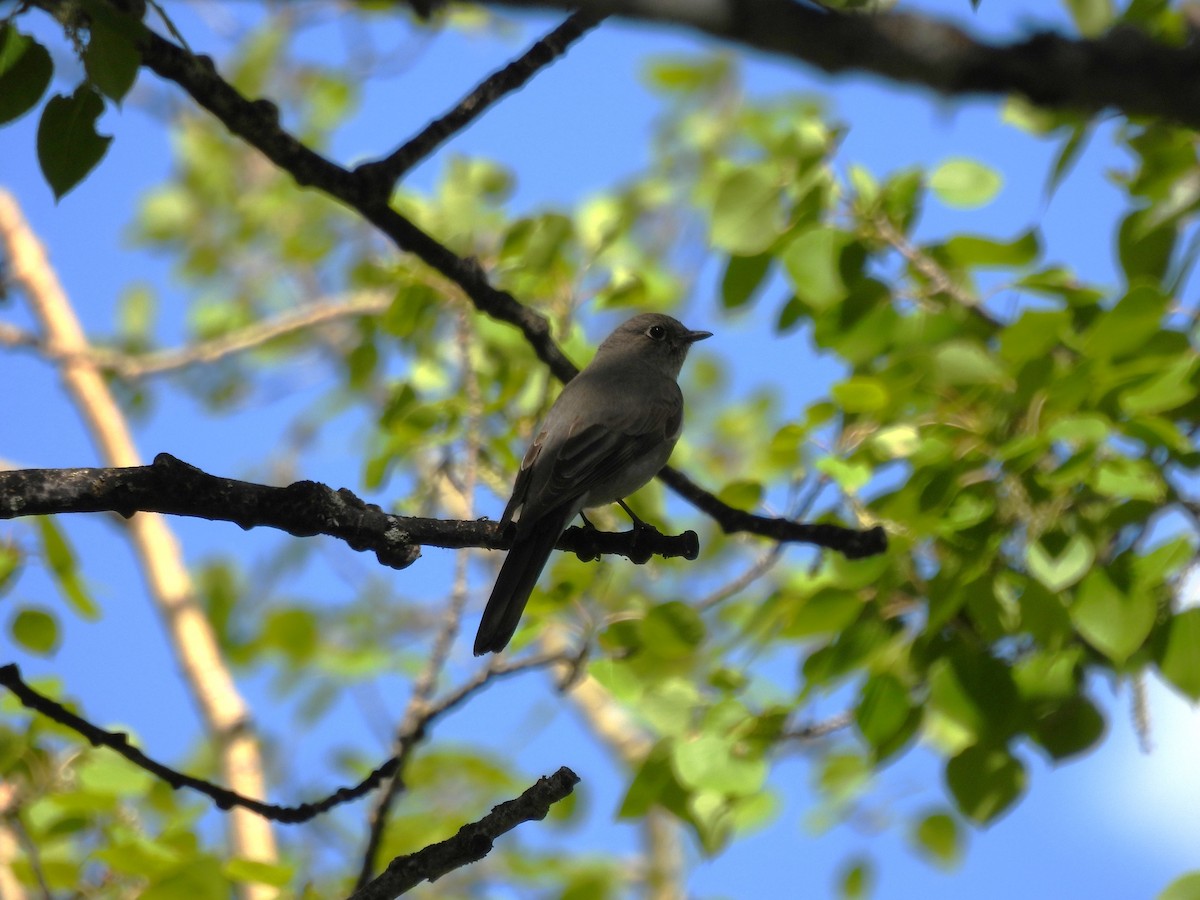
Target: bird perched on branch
(609,432)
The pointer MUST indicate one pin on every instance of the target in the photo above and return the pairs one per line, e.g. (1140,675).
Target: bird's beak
(692,336)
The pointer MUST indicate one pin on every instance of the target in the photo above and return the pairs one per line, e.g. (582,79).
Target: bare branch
(303,509)
(143,365)
(494,88)
(1125,69)
(472,842)
(10,677)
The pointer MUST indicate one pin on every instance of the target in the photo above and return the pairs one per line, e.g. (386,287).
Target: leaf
(68,146)
(971,251)
(1126,327)
(964,363)
(743,277)
(61,561)
(111,58)
(672,630)
(711,763)
(747,216)
(36,630)
(812,261)
(1185,887)
(965,183)
(1113,621)
(1170,389)
(1065,159)
(883,709)
(1091,16)
(1144,252)
(1180,658)
(1060,572)
(861,394)
(985,781)
(938,838)
(25,73)
(1128,479)
(1070,728)
(857,880)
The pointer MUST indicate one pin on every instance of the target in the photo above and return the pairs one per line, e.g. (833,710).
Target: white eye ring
(656,332)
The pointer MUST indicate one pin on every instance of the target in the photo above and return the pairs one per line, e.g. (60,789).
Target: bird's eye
(656,332)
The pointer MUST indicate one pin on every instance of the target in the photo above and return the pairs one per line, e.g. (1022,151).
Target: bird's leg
(586,521)
(638,524)
(641,530)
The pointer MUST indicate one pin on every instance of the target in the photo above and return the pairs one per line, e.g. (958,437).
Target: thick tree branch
(303,509)
(1125,69)
(472,842)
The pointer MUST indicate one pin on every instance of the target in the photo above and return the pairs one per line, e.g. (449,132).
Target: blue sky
(1119,823)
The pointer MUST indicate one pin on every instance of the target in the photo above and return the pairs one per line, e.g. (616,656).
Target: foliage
(1024,434)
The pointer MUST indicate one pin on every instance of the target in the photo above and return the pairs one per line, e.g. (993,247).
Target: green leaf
(861,394)
(1128,479)
(1113,621)
(111,58)
(257,872)
(743,277)
(985,781)
(1069,728)
(857,880)
(747,216)
(1059,572)
(672,630)
(963,363)
(68,146)
(970,251)
(938,838)
(712,763)
(1065,159)
(10,563)
(965,183)
(36,630)
(1091,16)
(111,775)
(1126,327)
(1145,252)
(1169,389)
(813,264)
(1186,887)
(826,612)
(652,779)
(883,710)
(61,561)
(1180,658)
(25,73)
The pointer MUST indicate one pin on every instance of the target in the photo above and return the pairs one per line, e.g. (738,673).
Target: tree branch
(492,89)
(303,509)
(1124,69)
(257,122)
(10,677)
(472,842)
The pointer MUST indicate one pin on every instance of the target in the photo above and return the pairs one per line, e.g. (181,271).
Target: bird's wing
(598,440)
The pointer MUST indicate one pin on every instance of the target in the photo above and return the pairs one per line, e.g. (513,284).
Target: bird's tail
(515,583)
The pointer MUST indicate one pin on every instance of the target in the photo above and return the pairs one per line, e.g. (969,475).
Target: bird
(610,431)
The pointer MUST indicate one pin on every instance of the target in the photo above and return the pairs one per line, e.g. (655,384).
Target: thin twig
(158,362)
(495,87)
(816,730)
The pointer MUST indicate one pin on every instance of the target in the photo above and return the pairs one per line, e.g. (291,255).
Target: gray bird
(609,432)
